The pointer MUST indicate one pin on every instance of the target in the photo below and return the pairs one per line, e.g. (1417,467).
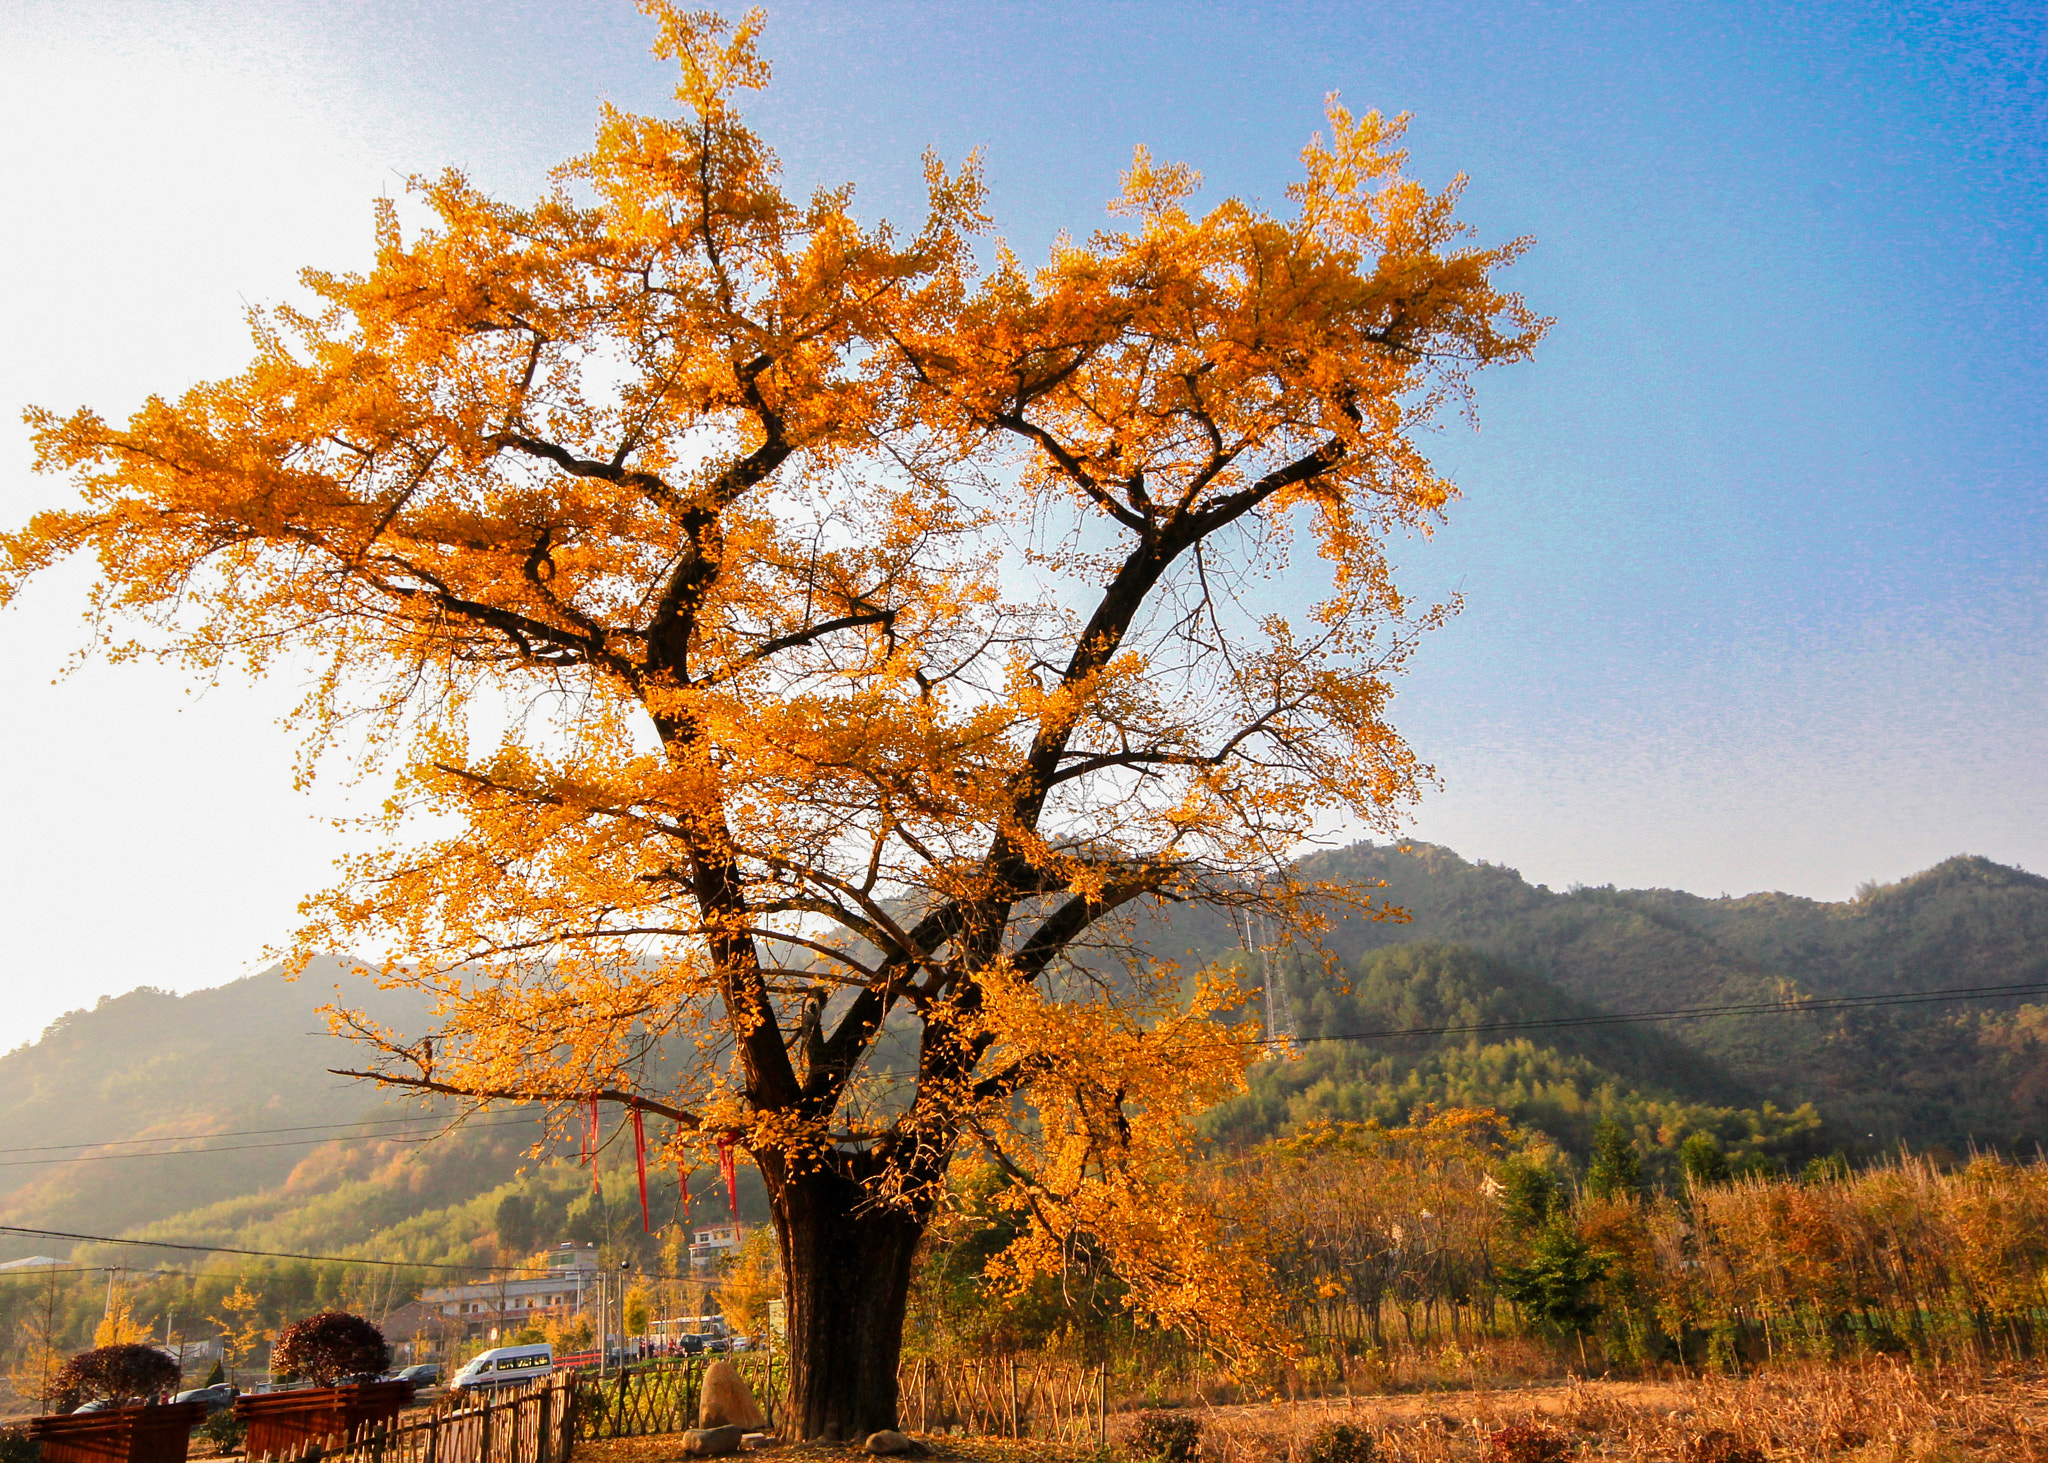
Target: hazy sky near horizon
(1752,556)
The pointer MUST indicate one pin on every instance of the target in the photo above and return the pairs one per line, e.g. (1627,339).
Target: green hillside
(197,1073)
(1559,1082)
(1935,1075)
(252,1142)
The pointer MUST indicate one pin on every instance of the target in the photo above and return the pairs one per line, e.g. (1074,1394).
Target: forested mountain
(1943,1074)
(1559,1080)
(212,1077)
(190,1073)
(213,1118)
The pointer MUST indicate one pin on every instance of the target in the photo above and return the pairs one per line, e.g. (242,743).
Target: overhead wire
(1793,1006)
(1788,1006)
(430,1130)
(426,1127)
(510,1271)
(225,1133)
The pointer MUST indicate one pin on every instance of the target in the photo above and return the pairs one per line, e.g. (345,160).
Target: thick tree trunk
(846,1262)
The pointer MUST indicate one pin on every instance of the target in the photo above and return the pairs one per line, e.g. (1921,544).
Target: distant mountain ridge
(250,1055)
(1479,943)
(1943,1074)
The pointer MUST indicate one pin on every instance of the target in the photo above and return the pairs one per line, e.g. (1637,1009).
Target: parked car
(100,1404)
(218,1398)
(421,1375)
(690,1344)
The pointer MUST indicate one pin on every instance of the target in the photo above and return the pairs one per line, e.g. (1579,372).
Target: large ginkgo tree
(803,645)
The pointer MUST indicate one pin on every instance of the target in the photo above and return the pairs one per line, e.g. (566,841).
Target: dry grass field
(1849,1414)
(1876,1413)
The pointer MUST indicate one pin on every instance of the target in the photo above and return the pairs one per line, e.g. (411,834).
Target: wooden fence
(535,1424)
(1053,1401)
(661,1396)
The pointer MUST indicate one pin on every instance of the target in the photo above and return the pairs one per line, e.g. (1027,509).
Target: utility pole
(624,1266)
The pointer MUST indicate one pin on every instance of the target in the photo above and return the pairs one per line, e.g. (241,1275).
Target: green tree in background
(1703,1161)
(1555,1287)
(1528,1193)
(1616,1171)
(515,1225)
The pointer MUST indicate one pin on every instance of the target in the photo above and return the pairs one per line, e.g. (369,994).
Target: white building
(482,1309)
(714,1243)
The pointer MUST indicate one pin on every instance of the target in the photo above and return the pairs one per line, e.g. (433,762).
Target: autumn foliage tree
(127,1371)
(330,1347)
(813,643)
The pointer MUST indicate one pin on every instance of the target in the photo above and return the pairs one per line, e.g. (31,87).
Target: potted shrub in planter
(123,1424)
(343,1357)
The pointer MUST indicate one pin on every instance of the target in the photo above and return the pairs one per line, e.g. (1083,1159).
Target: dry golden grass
(1874,1413)
(668,1449)
(1877,1413)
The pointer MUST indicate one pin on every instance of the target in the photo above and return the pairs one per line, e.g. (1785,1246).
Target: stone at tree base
(887,1443)
(726,1402)
(711,1442)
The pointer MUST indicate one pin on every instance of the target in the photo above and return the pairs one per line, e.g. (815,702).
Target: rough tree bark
(846,1264)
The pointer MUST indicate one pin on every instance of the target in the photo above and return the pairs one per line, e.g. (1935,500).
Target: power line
(38,1271)
(511,1271)
(428,1132)
(164,1244)
(224,1133)
(1794,1007)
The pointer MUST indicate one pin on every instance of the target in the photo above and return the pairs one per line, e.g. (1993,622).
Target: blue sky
(1753,555)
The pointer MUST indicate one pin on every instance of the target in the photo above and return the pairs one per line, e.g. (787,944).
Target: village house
(468,1312)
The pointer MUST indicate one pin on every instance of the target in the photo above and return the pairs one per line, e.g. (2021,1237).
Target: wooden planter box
(149,1434)
(285,1422)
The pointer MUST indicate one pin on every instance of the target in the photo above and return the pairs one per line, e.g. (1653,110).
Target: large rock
(711,1442)
(726,1402)
(888,1443)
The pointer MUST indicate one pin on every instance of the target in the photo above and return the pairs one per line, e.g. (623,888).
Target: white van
(505,1366)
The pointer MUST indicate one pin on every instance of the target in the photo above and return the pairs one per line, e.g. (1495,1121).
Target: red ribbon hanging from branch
(683,1176)
(640,1163)
(731,1171)
(590,1140)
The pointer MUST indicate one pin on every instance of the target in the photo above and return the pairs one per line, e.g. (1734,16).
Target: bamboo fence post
(924,1364)
(1013,1397)
(541,1439)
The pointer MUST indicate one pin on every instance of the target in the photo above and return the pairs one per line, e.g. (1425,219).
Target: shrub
(1720,1447)
(223,1429)
(127,1372)
(17,1446)
(1526,1442)
(1165,1437)
(1340,1442)
(328,1348)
